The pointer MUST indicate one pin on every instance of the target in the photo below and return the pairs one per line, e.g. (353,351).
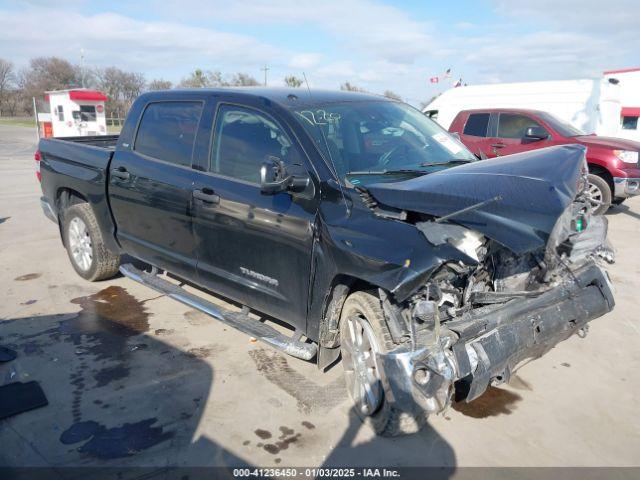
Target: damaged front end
(474,322)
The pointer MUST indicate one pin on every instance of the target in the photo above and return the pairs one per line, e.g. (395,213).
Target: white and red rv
(73,113)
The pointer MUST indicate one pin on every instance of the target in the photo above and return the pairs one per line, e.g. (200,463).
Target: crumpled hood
(536,187)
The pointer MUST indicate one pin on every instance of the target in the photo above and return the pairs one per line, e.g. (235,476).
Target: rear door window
(167,131)
(512,125)
(477,125)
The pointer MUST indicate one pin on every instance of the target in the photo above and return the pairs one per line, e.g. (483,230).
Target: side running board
(237,320)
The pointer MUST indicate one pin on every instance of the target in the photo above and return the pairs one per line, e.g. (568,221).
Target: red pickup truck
(614,168)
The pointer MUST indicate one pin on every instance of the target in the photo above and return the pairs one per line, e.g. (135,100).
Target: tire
(385,419)
(600,194)
(89,256)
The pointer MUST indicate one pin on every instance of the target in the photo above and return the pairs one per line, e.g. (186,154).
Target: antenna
(328,150)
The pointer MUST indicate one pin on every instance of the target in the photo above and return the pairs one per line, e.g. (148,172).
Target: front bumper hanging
(492,342)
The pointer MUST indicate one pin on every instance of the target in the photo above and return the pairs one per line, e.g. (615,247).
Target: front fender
(389,254)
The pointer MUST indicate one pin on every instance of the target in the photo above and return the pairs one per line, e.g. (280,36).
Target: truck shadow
(424,449)
(622,209)
(121,398)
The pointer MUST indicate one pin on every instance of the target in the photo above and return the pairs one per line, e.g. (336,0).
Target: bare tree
(121,88)
(351,88)
(392,95)
(201,79)
(292,81)
(196,79)
(216,79)
(43,74)
(159,84)
(244,80)
(7,78)
(50,73)
(13,103)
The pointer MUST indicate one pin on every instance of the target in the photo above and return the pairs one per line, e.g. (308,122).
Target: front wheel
(89,256)
(363,335)
(599,194)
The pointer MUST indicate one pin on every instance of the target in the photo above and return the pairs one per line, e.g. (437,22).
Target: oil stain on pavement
(101,330)
(108,443)
(493,402)
(287,437)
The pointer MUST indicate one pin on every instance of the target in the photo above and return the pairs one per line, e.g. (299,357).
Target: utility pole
(265,69)
(82,66)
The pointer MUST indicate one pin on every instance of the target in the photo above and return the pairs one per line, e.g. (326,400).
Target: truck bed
(78,167)
(93,153)
(102,141)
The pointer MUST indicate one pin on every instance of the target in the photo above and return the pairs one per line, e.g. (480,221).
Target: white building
(74,112)
(606,106)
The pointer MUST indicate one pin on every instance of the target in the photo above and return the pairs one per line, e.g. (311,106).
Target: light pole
(265,69)
(82,66)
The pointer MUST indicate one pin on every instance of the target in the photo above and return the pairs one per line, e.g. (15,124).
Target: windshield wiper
(455,160)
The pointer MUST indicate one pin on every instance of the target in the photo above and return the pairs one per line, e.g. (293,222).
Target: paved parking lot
(134,378)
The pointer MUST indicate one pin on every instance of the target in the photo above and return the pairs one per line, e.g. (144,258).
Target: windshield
(380,139)
(563,128)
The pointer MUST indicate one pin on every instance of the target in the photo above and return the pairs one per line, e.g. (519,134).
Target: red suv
(614,169)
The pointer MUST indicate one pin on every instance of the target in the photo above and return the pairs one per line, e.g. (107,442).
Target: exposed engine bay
(472,324)
(501,275)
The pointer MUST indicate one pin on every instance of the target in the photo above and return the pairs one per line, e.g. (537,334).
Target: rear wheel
(89,256)
(599,194)
(363,334)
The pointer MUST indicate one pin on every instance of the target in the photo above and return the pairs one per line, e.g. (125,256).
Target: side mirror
(534,134)
(274,178)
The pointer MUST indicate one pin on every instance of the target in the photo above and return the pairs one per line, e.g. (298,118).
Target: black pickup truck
(352,219)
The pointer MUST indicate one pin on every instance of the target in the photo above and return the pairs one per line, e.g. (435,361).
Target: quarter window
(243,140)
(514,126)
(477,125)
(167,131)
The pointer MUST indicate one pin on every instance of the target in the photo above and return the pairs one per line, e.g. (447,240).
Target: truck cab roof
(284,96)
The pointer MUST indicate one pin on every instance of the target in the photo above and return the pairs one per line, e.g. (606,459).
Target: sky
(376,45)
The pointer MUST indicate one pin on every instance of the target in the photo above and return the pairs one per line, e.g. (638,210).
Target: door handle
(206,195)
(120,173)
(498,145)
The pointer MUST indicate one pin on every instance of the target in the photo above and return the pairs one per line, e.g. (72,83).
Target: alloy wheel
(595,196)
(360,365)
(80,244)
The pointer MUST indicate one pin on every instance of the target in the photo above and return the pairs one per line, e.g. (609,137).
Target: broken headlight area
(473,324)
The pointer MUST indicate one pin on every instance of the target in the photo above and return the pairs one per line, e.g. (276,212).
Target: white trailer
(629,79)
(592,105)
(76,112)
